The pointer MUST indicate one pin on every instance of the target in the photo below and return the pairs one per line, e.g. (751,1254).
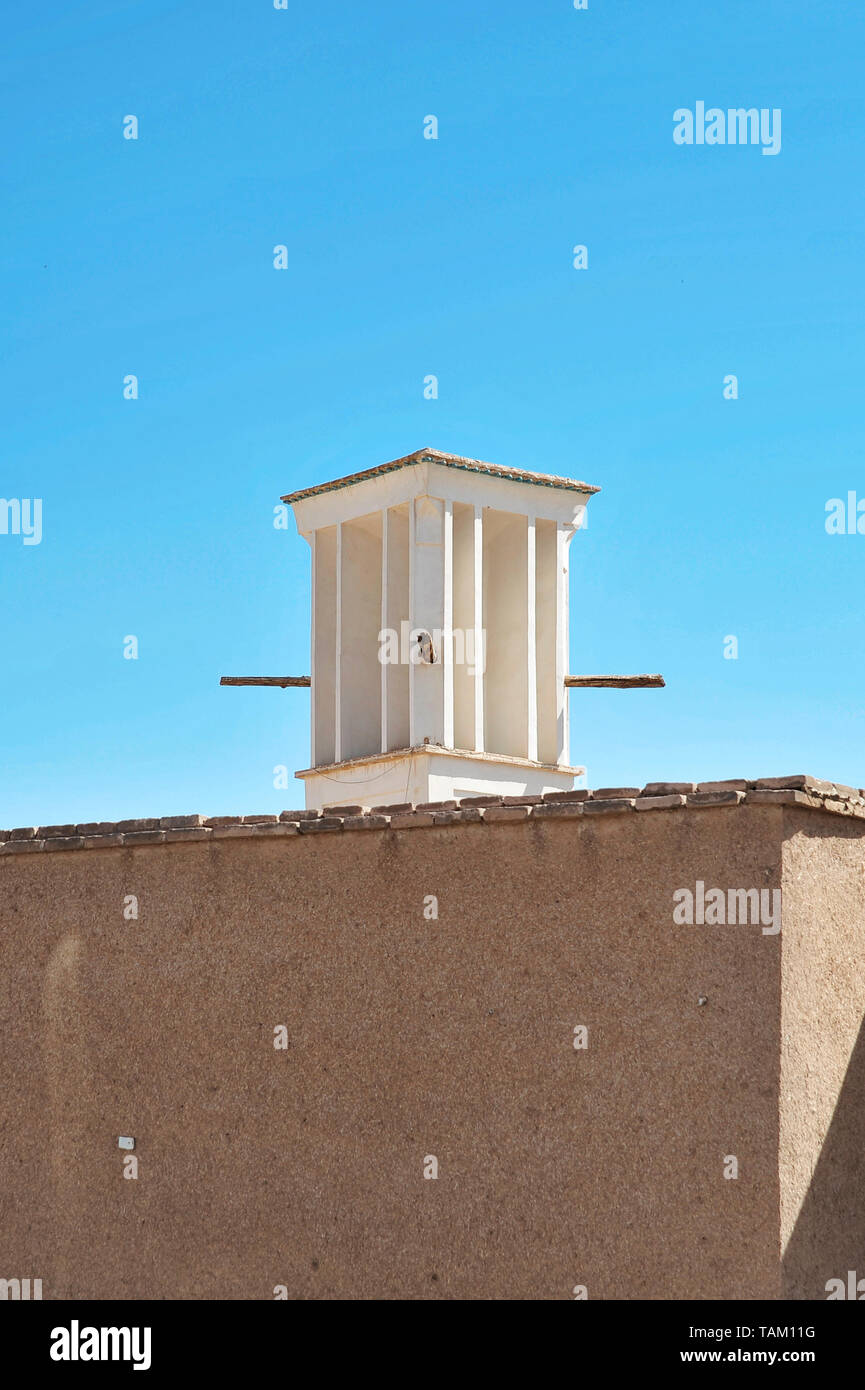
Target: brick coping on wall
(800,790)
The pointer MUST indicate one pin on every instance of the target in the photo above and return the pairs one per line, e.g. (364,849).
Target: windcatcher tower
(439,630)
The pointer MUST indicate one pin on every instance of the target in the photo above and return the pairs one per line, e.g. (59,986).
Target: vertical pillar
(385,623)
(396,605)
(427,615)
(312,685)
(323,665)
(480,636)
(447,654)
(359,626)
(562,721)
(337,702)
(547,565)
(531,647)
(411,586)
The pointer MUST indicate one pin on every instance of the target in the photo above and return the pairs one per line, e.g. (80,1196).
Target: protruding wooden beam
(265,680)
(614,682)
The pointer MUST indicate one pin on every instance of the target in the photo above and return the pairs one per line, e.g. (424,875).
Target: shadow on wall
(829,1236)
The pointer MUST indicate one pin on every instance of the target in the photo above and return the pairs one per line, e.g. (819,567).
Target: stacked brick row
(799,790)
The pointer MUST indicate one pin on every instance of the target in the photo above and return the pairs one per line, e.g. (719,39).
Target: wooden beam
(265,680)
(614,682)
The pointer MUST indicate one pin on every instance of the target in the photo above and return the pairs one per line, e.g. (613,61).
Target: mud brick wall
(412,1036)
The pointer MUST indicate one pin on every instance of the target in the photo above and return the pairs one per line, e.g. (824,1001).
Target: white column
(427,615)
(562,722)
(480,641)
(312,711)
(531,649)
(385,623)
(447,627)
(337,733)
(411,587)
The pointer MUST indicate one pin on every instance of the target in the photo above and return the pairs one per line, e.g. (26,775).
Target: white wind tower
(439,632)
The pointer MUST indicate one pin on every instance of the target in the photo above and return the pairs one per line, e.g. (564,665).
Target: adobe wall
(822,1111)
(407,1037)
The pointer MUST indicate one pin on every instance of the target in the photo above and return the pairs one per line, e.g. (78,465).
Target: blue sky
(407,256)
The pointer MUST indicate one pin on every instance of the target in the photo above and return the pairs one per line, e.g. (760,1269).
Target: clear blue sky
(407,257)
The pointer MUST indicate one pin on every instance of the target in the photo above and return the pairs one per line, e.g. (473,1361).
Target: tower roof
(496,470)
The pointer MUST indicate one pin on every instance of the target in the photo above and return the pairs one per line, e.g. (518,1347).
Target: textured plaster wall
(408,1037)
(822,1104)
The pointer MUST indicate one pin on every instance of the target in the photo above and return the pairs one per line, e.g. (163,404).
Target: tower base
(430,773)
